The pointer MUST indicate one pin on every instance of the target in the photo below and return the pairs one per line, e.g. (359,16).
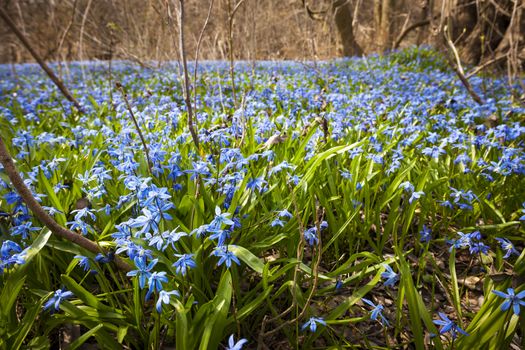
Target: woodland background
(485,32)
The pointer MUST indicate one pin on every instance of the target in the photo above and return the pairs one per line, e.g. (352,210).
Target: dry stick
(81,40)
(408,30)
(197,51)
(45,218)
(485,65)
(231,15)
(37,58)
(142,139)
(68,28)
(457,66)
(315,274)
(186,89)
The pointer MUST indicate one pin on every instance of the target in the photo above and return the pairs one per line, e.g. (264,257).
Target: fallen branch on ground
(43,216)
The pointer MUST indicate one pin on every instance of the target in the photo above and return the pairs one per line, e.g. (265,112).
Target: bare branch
(458,68)
(142,139)
(45,218)
(186,87)
(197,51)
(40,61)
(407,30)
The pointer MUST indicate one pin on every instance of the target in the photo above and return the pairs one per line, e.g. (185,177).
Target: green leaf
(247,257)
(83,294)
(84,337)
(27,322)
(212,334)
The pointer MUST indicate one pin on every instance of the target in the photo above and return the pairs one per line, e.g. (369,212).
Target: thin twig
(315,276)
(408,30)
(197,51)
(68,28)
(40,61)
(45,218)
(485,65)
(186,88)
(458,67)
(142,139)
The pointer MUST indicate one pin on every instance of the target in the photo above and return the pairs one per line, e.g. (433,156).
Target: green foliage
(338,119)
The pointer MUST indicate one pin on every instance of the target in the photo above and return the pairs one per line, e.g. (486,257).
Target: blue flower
(155,282)
(511,299)
(164,298)
(448,326)
(312,323)
(508,247)
(219,220)
(147,222)
(226,256)
(390,275)
(257,183)
(426,234)
(143,270)
(56,299)
(232,345)
(24,229)
(184,263)
(376,311)
(83,261)
(8,247)
(416,195)
(278,222)
(310,235)
(284,214)
(79,225)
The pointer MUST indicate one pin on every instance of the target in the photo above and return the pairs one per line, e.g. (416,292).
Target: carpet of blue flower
(361,201)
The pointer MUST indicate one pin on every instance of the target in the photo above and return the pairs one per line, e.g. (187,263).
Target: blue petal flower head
(8,247)
(448,325)
(220,235)
(56,299)
(426,234)
(377,310)
(143,270)
(147,222)
(200,231)
(155,281)
(511,300)
(220,219)
(226,256)
(79,225)
(105,258)
(83,261)
(284,214)
(390,276)
(164,298)
(173,237)
(415,196)
(463,241)
(310,235)
(507,247)
(278,222)
(312,324)
(345,175)
(23,229)
(232,345)
(433,152)
(184,263)
(257,183)
(82,213)
(51,210)
(156,241)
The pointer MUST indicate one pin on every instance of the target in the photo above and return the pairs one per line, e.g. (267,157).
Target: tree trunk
(343,20)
